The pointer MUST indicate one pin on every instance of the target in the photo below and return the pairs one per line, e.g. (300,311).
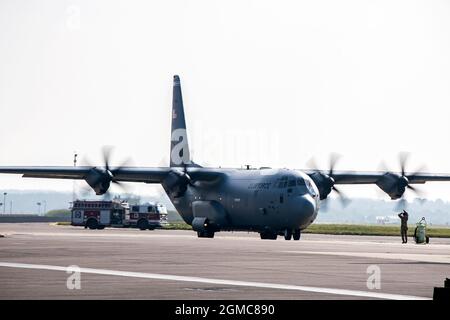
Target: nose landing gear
(289,234)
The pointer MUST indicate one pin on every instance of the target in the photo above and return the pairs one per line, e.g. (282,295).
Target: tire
(296,234)
(101,227)
(92,224)
(427,239)
(287,234)
(268,236)
(205,234)
(142,224)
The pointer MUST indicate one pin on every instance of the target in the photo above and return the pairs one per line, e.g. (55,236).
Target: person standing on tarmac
(404,225)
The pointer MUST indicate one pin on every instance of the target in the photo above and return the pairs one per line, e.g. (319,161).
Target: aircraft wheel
(296,234)
(268,236)
(205,234)
(287,234)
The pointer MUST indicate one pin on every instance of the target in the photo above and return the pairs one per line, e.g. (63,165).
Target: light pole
(4,202)
(74,195)
(10,206)
(45,206)
(39,208)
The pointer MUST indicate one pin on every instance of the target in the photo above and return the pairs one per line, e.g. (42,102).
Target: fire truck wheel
(92,224)
(142,224)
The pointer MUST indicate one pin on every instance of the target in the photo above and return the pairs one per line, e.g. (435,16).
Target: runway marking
(345,292)
(433,258)
(98,235)
(381,241)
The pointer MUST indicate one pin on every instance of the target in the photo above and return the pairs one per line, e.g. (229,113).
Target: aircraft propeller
(106,152)
(395,184)
(100,178)
(325,181)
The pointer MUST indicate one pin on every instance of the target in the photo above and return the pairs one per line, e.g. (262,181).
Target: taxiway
(164,264)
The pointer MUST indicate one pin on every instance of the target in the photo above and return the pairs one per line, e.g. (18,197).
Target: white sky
(265,82)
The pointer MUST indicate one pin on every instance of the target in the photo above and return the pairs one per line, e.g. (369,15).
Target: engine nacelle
(176,183)
(99,180)
(200,224)
(324,183)
(393,184)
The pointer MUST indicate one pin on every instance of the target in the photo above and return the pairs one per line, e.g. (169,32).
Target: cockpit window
(284,182)
(310,187)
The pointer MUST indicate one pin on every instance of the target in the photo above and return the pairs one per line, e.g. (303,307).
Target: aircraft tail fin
(179,147)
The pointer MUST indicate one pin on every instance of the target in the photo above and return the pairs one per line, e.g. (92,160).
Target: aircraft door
(238,202)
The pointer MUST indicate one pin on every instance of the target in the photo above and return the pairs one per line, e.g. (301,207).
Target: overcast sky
(266,83)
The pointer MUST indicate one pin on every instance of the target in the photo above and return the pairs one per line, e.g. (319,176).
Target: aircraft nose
(306,207)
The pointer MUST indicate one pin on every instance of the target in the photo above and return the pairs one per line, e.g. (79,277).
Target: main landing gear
(205,234)
(266,235)
(287,233)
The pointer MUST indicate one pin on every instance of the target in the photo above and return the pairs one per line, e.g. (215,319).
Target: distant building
(393,219)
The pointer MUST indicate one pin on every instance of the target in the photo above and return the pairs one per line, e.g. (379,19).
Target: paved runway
(133,264)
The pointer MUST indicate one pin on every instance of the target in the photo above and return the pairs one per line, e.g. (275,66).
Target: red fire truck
(99,214)
(148,216)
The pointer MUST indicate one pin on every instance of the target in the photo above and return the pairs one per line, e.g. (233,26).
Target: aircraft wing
(125,174)
(392,183)
(132,174)
(57,172)
(361,177)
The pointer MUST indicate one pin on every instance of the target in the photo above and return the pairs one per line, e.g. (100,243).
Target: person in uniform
(404,225)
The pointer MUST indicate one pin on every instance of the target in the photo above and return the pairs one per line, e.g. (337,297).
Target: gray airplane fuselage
(253,200)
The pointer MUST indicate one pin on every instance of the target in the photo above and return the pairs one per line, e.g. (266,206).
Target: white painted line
(97,234)
(422,257)
(355,293)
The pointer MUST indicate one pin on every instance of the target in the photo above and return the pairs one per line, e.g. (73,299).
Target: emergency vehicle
(95,214)
(99,214)
(148,216)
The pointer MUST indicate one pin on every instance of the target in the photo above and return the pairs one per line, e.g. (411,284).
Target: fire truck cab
(148,216)
(94,214)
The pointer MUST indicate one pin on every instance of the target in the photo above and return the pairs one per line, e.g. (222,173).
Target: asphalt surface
(160,264)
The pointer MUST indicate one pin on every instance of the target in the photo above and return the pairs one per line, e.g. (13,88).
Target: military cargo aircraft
(271,202)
